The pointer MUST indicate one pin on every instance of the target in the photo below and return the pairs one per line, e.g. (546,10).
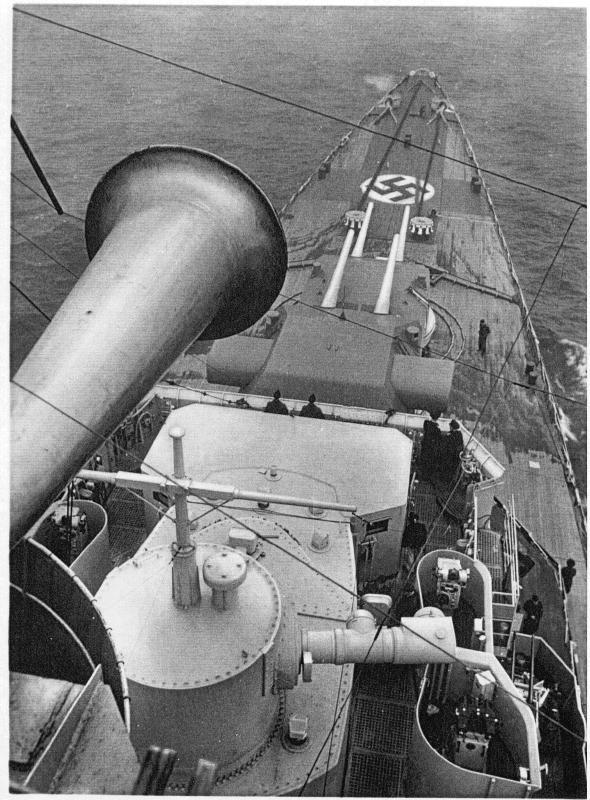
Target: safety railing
(407,423)
(533,340)
(511,545)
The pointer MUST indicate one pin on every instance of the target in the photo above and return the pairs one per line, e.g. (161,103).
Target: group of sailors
(440,455)
(276,406)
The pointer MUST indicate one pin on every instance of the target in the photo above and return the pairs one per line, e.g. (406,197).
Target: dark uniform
(311,410)
(276,406)
(567,574)
(533,611)
(453,447)
(431,447)
(415,533)
(483,334)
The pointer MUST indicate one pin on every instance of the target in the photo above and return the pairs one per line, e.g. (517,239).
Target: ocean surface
(517,77)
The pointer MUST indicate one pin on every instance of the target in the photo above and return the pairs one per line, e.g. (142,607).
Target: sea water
(516,76)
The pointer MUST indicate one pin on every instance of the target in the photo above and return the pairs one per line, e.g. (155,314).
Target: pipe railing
(401,420)
(475,527)
(513,539)
(532,335)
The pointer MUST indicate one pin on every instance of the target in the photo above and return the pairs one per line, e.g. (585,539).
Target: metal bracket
(306,665)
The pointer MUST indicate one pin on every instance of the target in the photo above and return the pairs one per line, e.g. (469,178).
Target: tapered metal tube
(360,242)
(331,297)
(384,299)
(182,245)
(402,234)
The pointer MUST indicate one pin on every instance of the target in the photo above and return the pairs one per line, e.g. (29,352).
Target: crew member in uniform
(567,574)
(430,451)
(276,406)
(311,410)
(482,337)
(533,611)
(415,533)
(453,447)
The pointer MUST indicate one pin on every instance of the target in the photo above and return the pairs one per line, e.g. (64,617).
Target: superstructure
(402,250)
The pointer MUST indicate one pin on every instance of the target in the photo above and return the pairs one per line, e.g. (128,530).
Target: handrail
(475,527)
(514,553)
(568,469)
(404,421)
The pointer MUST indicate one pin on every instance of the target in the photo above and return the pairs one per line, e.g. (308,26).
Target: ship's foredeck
(472,278)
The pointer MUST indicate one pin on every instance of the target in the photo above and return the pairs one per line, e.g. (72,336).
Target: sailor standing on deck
(453,447)
(567,574)
(415,533)
(276,406)
(431,447)
(533,611)
(484,332)
(311,410)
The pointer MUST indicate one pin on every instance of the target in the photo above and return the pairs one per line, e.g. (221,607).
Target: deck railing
(342,143)
(533,339)
(407,423)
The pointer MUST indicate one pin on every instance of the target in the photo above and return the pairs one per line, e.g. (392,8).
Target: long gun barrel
(183,245)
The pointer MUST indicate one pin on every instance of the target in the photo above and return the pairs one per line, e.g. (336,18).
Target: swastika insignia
(402,189)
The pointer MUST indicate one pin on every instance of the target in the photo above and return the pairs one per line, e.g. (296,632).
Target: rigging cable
(525,320)
(45,200)
(32,302)
(386,616)
(204,393)
(429,165)
(333,731)
(294,299)
(431,151)
(491,391)
(292,103)
(338,713)
(385,156)
(35,164)
(38,247)
(393,337)
(240,522)
(579,204)
(30,188)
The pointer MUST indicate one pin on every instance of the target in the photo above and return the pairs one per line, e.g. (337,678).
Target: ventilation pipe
(384,299)
(182,245)
(425,639)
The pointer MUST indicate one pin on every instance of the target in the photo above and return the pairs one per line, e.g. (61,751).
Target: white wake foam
(565,425)
(381,82)
(576,359)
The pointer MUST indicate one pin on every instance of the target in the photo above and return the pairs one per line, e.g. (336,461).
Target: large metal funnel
(183,245)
